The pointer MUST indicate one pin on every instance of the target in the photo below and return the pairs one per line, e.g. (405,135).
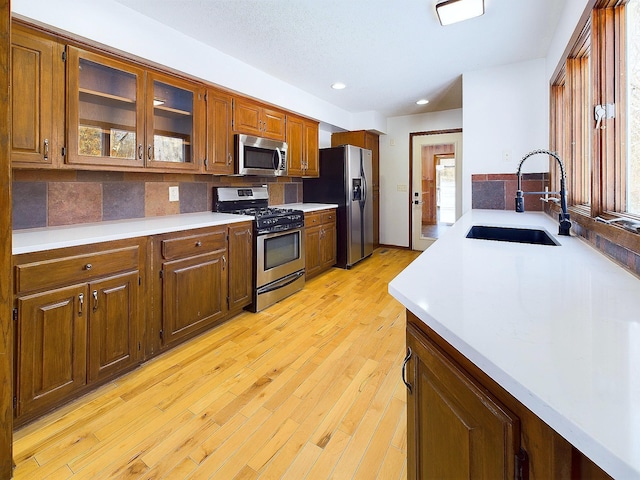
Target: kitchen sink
(512,234)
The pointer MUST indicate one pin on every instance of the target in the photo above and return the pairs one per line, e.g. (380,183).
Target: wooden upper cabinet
(105,111)
(37,97)
(124,116)
(253,118)
(302,140)
(219,134)
(175,119)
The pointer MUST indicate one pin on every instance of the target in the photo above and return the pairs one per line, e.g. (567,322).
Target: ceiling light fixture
(338,86)
(452,11)
(422,101)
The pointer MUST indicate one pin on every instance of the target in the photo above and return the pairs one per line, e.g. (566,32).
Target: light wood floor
(309,388)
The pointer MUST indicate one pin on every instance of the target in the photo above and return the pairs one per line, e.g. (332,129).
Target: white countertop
(48,238)
(557,326)
(309,207)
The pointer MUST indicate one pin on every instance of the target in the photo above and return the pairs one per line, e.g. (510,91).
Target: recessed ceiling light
(422,101)
(452,11)
(338,86)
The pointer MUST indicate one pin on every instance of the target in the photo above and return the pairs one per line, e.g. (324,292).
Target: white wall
(394,170)
(506,111)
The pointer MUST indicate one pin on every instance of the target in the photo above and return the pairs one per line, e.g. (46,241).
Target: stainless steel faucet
(563,217)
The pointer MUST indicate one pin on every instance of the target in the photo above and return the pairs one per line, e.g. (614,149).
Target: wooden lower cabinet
(193,294)
(201,278)
(77,326)
(240,265)
(51,347)
(320,241)
(457,430)
(112,312)
(462,424)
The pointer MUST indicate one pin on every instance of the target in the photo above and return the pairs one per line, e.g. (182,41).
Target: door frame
(412,135)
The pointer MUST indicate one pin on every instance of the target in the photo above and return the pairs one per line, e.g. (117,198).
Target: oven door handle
(283,282)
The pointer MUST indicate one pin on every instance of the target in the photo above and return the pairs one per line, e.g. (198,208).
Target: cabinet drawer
(329,217)
(312,219)
(194,244)
(79,268)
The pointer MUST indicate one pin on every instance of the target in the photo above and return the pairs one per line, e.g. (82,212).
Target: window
(601,73)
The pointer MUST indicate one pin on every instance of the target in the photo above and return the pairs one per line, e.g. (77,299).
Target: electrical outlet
(506,155)
(174,194)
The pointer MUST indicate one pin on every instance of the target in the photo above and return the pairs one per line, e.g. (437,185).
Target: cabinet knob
(198,243)
(88,266)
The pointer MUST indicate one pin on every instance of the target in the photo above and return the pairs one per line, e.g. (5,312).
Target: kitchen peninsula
(554,328)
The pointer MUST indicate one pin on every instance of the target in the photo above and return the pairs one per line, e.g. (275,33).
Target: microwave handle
(277,159)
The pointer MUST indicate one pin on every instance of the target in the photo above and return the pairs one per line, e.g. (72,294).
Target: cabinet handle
(224,262)
(80,304)
(140,151)
(46,148)
(229,159)
(198,243)
(88,266)
(150,152)
(404,370)
(95,300)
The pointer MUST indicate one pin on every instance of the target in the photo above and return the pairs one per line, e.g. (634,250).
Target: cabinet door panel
(219,134)
(240,266)
(459,430)
(273,124)
(37,92)
(247,117)
(295,135)
(312,163)
(328,245)
(112,326)
(312,250)
(175,123)
(106,111)
(194,290)
(51,346)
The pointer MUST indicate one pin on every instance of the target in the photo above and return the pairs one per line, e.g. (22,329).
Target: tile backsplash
(498,191)
(51,198)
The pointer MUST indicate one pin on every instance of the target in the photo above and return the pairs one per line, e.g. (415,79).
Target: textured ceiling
(390,53)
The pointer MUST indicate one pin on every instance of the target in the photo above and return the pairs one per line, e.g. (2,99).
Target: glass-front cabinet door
(175,123)
(106,114)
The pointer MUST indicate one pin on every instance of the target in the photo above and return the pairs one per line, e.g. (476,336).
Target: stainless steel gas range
(278,242)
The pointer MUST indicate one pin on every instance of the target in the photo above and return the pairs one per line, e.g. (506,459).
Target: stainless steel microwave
(260,156)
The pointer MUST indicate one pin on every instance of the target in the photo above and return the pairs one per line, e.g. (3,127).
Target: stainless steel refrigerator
(345,179)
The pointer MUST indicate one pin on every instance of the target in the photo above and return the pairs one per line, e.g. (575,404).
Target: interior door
(421,186)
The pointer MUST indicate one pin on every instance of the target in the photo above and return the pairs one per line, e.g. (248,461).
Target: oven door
(278,255)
